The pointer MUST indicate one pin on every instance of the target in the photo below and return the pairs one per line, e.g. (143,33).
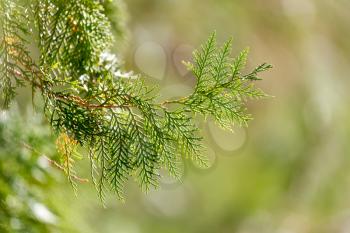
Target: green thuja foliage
(90,101)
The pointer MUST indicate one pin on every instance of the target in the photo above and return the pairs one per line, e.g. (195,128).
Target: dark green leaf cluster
(90,101)
(72,34)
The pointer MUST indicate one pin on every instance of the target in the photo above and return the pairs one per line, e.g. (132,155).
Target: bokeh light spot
(151,58)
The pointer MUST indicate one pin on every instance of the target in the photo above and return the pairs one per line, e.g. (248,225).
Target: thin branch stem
(55,164)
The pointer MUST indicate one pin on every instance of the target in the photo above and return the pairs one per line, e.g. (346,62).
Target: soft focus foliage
(26,176)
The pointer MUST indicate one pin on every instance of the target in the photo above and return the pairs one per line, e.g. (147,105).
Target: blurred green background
(289,172)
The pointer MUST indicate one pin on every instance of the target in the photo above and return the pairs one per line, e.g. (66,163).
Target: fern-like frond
(203,59)
(222,92)
(239,63)
(120,167)
(103,158)
(183,131)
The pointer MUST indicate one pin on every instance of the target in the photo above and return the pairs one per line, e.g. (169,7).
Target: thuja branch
(91,102)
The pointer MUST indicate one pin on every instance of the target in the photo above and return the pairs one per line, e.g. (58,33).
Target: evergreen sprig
(90,101)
